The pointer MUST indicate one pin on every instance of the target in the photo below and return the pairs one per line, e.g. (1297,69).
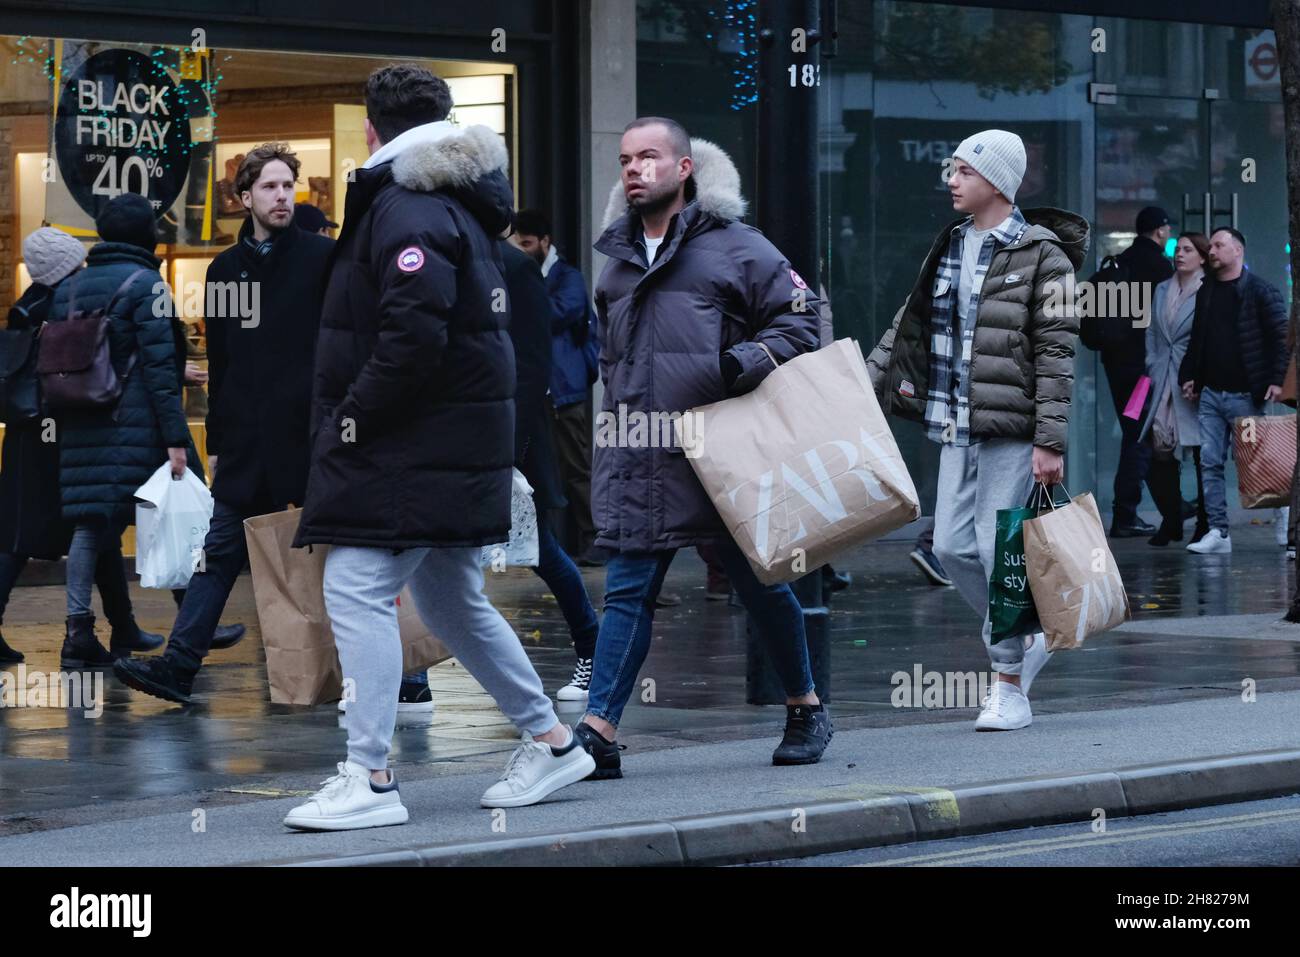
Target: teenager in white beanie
(976,356)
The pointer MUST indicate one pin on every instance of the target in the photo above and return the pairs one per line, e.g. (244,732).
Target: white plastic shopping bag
(171,522)
(522,547)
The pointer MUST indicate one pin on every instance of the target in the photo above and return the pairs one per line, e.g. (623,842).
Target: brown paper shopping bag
(804,467)
(1076,585)
(1264,447)
(302,665)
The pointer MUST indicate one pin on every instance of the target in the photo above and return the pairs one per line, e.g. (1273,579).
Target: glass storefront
(82,121)
(85,120)
(1116,114)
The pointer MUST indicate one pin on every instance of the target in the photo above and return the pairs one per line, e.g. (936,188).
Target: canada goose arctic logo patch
(410,259)
(797,280)
(906,389)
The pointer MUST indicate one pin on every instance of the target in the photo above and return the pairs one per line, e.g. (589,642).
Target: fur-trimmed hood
(715,181)
(445,156)
(468,162)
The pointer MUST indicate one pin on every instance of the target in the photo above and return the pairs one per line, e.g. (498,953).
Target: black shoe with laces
(603,751)
(9,656)
(579,684)
(807,732)
(158,676)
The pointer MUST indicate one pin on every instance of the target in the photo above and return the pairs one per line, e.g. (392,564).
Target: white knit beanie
(51,254)
(998,156)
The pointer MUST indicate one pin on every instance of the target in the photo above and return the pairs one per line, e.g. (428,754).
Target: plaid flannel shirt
(948,397)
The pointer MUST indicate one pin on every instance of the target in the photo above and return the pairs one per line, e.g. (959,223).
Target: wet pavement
(59,768)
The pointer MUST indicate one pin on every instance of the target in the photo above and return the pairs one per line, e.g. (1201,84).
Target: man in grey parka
(693,306)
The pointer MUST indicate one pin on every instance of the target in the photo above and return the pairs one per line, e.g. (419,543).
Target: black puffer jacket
(413,411)
(717,287)
(106,454)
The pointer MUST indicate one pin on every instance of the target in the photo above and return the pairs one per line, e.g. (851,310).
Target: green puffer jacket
(1022,358)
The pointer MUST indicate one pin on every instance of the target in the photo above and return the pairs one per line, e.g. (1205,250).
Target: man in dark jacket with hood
(693,306)
(263,309)
(413,443)
(982,354)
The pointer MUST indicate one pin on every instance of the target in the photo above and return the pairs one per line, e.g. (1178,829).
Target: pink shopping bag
(1139,397)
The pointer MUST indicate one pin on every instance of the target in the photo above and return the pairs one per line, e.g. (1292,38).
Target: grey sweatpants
(361,589)
(974,482)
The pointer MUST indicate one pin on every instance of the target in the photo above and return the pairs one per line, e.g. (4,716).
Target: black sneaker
(414,697)
(226,636)
(9,656)
(156,676)
(930,567)
(605,752)
(579,684)
(807,732)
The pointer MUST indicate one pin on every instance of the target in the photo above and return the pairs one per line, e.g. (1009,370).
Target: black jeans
(224,553)
(1134,456)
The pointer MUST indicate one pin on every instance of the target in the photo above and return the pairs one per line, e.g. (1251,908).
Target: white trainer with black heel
(349,801)
(536,770)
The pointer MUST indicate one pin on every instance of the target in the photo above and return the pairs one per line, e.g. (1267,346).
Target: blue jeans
(91,547)
(1216,413)
(632,584)
(225,550)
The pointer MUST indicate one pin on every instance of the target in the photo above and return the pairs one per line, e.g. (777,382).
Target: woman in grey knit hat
(31,521)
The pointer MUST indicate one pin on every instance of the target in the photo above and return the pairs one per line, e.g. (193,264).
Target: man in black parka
(413,443)
(263,307)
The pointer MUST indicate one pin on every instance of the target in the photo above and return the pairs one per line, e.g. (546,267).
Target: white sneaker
(576,689)
(535,770)
(349,800)
(1215,542)
(1036,655)
(1005,709)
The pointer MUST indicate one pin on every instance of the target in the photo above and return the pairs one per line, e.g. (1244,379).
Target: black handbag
(19,396)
